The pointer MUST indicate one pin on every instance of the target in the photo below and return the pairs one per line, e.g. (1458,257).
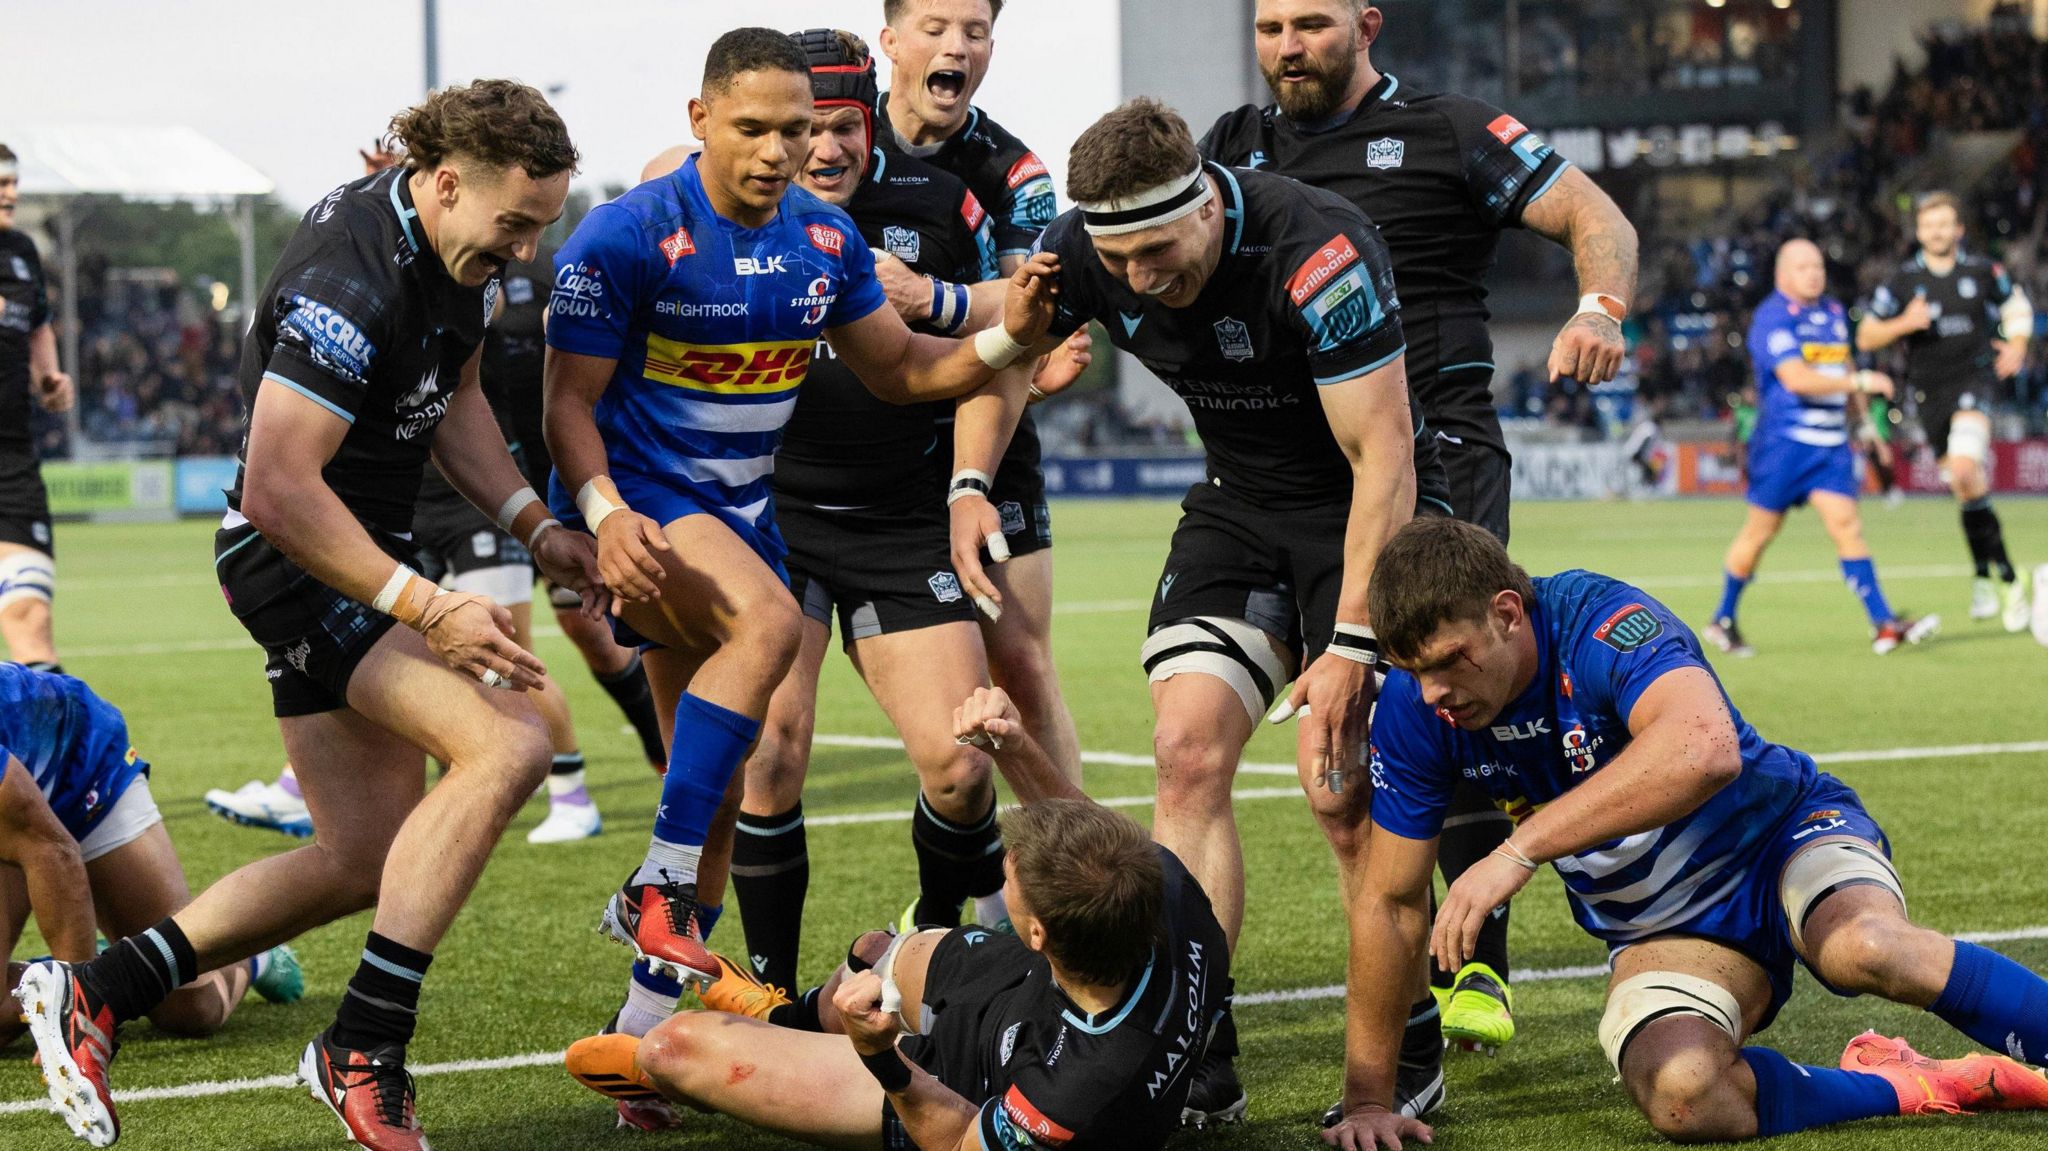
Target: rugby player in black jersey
(1442,175)
(361,363)
(1965,326)
(938,56)
(1269,307)
(1079,1032)
(28,368)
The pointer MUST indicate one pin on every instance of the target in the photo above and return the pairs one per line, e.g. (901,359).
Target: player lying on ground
(1081,1031)
(1800,451)
(1708,859)
(665,398)
(81,843)
(361,365)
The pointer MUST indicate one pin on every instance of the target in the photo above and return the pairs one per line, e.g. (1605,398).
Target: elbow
(267,497)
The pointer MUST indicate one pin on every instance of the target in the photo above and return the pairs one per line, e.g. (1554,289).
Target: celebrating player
(79,831)
(1800,452)
(1269,307)
(1709,860)
(1443,175)
(684,318)
(362,362)
(28,367)
(1965,326)
(939,52)
(1082,1030)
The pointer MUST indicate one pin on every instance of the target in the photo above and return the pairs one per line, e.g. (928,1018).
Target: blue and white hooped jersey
(73,743)
(1600,644)
(713,326)
(1818,335)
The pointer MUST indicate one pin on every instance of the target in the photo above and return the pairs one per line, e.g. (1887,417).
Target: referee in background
(1441,175)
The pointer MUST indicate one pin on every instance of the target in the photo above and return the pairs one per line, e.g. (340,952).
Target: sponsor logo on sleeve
(1043,1131)
(972,212)
(332,339)
(678,245)
(579,293)
(1333,257)
(1028,167)
(827,239)
(322,212)
(1629,628)
(1782,342)
(1506,128)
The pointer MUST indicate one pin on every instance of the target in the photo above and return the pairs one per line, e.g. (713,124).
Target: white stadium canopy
(65,161)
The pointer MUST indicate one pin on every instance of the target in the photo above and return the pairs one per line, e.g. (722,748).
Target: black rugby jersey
(1303,296)
(1441,175)
(843,447)
(1055,1077)
(24,307)
(1955,354)
(515,350)
(361,317)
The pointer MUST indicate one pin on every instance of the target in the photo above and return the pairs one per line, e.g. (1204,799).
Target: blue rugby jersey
(1818,335)
(73,743)
(1600,644)
(712,324)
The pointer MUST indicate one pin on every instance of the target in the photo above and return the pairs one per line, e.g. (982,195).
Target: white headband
(1147,209)
(9,168)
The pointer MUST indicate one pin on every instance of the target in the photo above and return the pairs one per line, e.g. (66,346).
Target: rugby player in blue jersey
(79,833)
(684,318)
(1800,450)
(1710,860)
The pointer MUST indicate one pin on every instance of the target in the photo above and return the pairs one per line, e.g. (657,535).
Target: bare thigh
(802,1084)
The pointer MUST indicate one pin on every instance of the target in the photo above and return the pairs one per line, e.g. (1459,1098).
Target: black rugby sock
(1473,829)
(1422,1043)
(382,1003)
(140,971)
(1986,537)
(628,688)
(771,873)
(952,861)
(800,1015)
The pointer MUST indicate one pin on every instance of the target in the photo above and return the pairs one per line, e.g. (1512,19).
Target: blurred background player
(1800,451)
(666,398)
(82,844)
(28,368)
(362,364)
(1965,326)
(1441,175)
(1710,861)
(939,52)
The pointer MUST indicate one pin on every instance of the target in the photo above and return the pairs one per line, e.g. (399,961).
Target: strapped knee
(1829,866)
(1969,437)
(1654,995)
(1231,650)
(27,576)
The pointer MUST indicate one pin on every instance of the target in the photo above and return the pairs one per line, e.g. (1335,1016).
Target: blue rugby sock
(1861,576)
(1996,1002)
(1732,586)
(1791,1097)
(710,742)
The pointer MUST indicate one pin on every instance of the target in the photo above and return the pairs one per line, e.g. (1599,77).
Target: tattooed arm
(1576,213)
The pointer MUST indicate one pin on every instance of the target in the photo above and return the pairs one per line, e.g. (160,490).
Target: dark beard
(1315,99)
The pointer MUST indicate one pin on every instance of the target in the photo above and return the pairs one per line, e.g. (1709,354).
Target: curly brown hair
(501,123)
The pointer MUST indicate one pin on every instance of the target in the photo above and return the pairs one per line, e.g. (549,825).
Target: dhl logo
(1519,808)
(1825,353)
(730,369)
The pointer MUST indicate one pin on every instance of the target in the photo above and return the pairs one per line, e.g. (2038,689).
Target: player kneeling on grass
(1081,1031)
(79,831)
(1709,859)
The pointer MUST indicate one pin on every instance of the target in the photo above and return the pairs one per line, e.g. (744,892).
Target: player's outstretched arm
(1803,379)
(470,450)
(33,839)
(990,720)
(904,367)
(933,1115)
(1576,213)
(1369,417)
(292,436)
(1381,982)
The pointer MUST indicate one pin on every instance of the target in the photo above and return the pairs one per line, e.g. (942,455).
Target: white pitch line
(548,1058)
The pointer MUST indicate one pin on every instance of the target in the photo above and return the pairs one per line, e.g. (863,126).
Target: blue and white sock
(1861,576)
(710,743)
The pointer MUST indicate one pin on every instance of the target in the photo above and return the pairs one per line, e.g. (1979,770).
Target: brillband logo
(1336,255)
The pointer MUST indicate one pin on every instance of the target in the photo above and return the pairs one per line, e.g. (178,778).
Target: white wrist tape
(513,505)
(996,348)
(968,482)
(1590,303)
(393,588)
(533,536)
(594,505)
(1355,642)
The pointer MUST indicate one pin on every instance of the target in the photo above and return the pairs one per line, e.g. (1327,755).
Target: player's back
(73,743)
(1817,334)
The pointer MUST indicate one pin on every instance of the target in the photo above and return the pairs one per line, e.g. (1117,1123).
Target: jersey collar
(401,203)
